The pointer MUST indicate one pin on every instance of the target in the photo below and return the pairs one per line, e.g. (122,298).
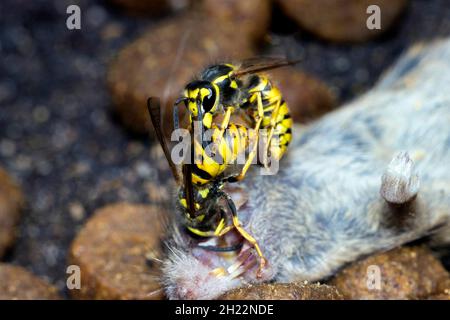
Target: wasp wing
(154,109)
(258,64)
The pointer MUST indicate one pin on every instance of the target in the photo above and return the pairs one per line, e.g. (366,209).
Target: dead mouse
(371,176)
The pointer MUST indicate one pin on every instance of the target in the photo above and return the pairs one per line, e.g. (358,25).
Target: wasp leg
(247,236)
(254,150)
(253,242)
(224,231)
(273,122)
(218,135)
(221,229)
(226,120)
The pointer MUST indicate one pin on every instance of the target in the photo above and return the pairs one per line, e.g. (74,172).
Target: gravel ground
(58,138)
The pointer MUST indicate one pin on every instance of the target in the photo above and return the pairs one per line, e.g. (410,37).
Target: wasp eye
(208,101)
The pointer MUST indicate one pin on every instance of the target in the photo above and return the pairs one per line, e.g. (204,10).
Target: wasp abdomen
(272,101)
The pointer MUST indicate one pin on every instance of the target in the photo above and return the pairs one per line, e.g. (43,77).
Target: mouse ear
(400,182)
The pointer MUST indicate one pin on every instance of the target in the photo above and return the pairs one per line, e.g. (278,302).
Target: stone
(444,288)
(440,296)
(342,20)
(11,203)
(444,285)
(250,17)
(284,291)
(16,283)
(112,251)
(405,273)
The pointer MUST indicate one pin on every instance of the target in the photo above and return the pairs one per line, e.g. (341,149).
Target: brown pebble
(307,97)
(342,20)
(250,17)
(440,296)
(284,291)
(163,60)
(111,251)
(16,283)
(444,286)
(405,273)
(11,203)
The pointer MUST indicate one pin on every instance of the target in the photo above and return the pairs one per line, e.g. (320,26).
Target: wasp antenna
(168,88)
(177,61)
(400,182)
(176,118)
(188,187)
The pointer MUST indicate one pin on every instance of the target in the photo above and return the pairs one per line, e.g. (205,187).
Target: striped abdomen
(233,145)
(271,97)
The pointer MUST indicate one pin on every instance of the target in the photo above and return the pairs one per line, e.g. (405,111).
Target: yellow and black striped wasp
(201,203)
(226,89)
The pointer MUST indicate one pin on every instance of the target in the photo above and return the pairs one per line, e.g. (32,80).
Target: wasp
(200,203)
(226,89)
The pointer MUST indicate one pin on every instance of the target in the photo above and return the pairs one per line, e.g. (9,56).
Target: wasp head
(202,100)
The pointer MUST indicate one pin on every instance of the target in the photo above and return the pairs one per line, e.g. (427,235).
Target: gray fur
(324,208)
